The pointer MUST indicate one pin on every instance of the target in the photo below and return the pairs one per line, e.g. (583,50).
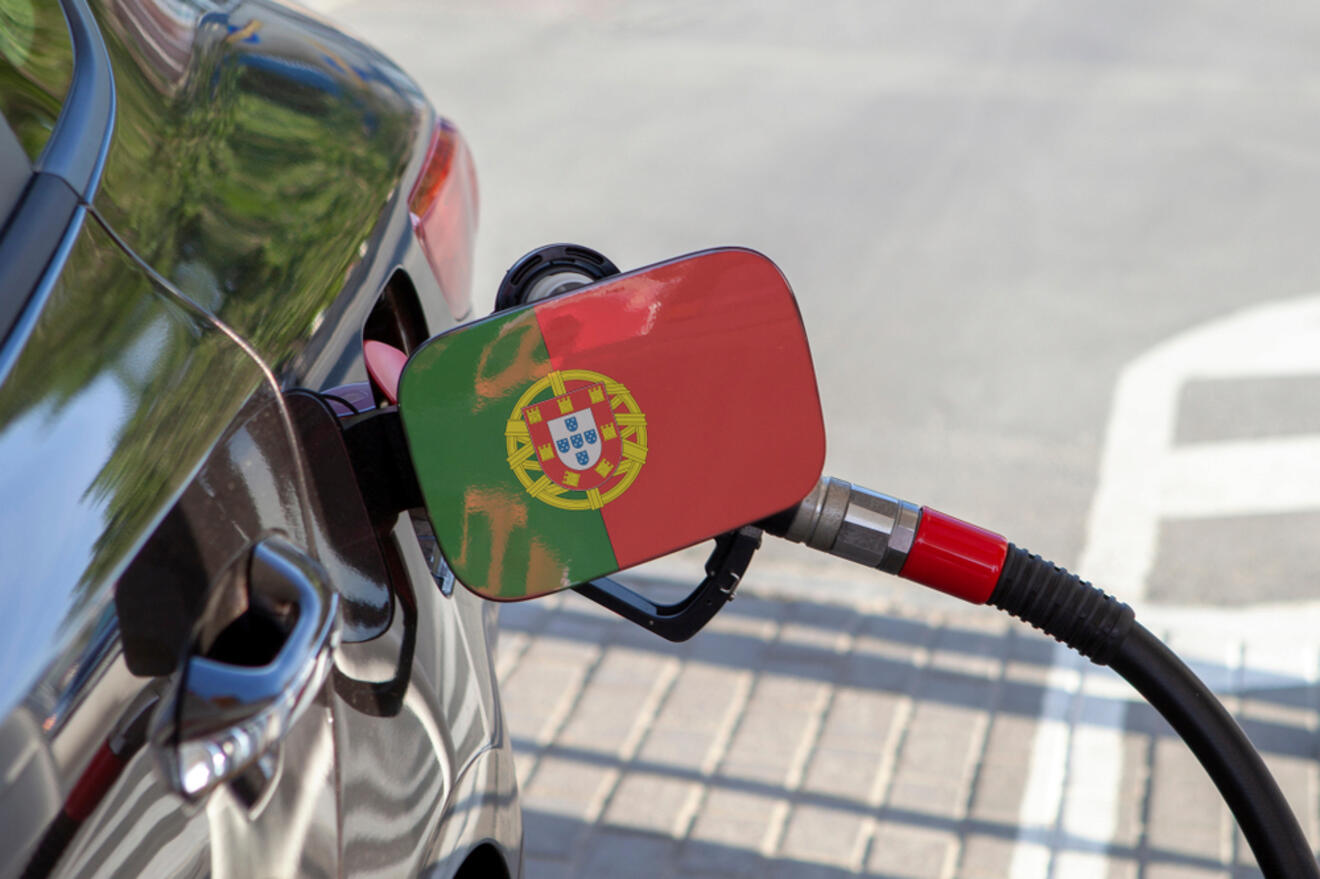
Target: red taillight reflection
(443,206)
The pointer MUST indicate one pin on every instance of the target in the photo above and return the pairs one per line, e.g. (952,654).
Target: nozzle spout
(851,522)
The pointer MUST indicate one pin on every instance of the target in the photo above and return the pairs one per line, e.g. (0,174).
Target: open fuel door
(559,442)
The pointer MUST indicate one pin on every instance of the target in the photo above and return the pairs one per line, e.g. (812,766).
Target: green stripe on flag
(457,398)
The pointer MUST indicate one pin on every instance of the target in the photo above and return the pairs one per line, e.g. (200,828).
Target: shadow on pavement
(600,712)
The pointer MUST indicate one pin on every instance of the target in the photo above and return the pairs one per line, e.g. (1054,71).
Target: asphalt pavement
(1057,266)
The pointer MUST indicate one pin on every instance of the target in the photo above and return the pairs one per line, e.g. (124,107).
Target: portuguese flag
(590,432)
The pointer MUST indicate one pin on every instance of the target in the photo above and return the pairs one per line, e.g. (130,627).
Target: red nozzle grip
(956,557)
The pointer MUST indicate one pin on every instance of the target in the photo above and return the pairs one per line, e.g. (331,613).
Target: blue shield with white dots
(577,440)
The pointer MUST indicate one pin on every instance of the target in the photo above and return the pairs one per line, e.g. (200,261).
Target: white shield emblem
(577,442)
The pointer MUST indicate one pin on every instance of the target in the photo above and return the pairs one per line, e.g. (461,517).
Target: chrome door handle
(223,717)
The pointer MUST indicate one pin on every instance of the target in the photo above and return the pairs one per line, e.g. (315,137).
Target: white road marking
(1241,478)
(1143,479)
(1043,792)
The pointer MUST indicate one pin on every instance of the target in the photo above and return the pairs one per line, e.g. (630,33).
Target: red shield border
(588,395)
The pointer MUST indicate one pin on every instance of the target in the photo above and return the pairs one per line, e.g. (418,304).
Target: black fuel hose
(961,559)
(1223,749)
(1085,618)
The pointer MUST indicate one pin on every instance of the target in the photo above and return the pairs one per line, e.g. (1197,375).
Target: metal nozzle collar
(857,524)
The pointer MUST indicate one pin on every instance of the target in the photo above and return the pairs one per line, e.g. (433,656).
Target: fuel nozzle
(853,523)
(955,557)
(895,536)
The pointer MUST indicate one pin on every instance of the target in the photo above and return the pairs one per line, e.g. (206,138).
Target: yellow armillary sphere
(576,439)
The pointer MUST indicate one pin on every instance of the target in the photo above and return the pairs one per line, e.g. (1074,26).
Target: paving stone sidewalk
(826,739)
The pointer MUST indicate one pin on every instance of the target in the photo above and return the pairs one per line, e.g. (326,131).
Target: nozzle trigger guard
(681,620)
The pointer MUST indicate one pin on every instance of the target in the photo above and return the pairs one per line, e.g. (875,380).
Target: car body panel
(281,818)
(88,410)
(410,754)
(111,365)
(258,163)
